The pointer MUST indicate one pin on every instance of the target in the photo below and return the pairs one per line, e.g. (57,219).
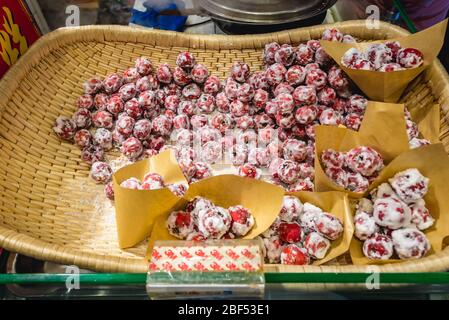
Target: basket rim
(15,241)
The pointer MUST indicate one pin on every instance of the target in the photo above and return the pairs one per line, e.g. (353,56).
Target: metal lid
(264,11)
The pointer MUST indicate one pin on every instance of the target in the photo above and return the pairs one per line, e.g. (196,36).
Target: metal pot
(260,16)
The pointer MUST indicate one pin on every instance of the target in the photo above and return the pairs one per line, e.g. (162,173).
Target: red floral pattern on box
(206,258)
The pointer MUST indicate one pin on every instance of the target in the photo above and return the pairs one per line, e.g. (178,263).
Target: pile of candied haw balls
(301,233)
(353,170)
(201,220)
(392,220)
(271,114)
(383,57)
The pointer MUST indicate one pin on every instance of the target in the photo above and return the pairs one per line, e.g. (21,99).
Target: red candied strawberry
(290,232)
(183,219)
(293,255)
(239,214)
(249,171)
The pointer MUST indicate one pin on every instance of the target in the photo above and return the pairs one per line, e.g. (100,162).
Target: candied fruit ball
(332,34)
(93,85)
(327,96)
(109,190)
(316,245)
(270,51)
(242,220)
(329,226)
(199,74)
(410,185)
(131,183)
(306,114)
(143,66)
(365,226)
(83,138)
(125,125)
(285,55)
(92,153)
(291,210)
(103,138)
(378,247)
(304,54)
(239,108)
(295,75)
(410,243)
(378,54)
(85,101)
(101,172)
(206,103)
(305,95)
(180,224)
(191,91)
(132,148)
(364,160)
(115,105)
(64,128)
(249,171)
(410,58)
(214,222)
(162,125)
(152,181)
(245,92)
(240,71)
(391,213)
(82,118)
(421,216)
(288,171)
(181,77)
(294,150)
(164,73)
(112,83)
(142,129)
(276,74)
(331,117)
(294,255)
(185,60)
(273,248)
(316,78)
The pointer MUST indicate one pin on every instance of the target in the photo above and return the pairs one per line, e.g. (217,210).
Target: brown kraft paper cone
(433,162)
(136,210)
(389,86)
(263,199)
(336,204)
(383,128)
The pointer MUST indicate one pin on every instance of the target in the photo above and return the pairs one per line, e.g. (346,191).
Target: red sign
(17,32)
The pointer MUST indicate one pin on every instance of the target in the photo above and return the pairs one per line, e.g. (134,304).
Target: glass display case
(27,278)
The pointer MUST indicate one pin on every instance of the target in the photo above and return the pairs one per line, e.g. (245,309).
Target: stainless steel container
(259,16)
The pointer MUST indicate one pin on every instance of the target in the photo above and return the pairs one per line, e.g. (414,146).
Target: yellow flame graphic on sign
(9,36)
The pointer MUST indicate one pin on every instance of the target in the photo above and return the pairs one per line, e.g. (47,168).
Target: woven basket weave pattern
(49,208)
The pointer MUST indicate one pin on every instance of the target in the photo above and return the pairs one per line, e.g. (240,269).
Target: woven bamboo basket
(51,210)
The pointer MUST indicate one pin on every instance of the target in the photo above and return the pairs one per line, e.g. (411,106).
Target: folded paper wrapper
(428,121)
(263,199)
(433,162)
(383,128)
(337,204)
(136,210)
(389,86)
